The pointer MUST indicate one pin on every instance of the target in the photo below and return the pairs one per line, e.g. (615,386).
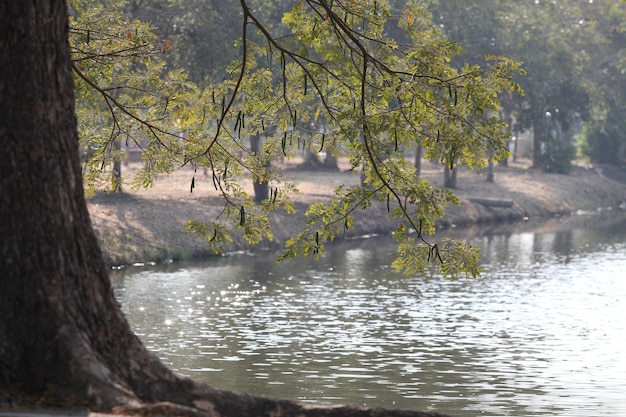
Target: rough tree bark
(63,338)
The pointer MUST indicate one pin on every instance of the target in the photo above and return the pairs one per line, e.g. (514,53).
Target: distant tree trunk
(540,132)
(331,162)
(116,172)
(449,177)
(116,180)
(418,159)
(63,338)
(490,166)
(311,160)
(261,188)
(509,121)
(490,170)
(504,161)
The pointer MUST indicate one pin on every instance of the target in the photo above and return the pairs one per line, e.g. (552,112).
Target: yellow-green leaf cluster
(339,82)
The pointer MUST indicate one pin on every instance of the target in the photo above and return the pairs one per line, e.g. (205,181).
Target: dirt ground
(148,225)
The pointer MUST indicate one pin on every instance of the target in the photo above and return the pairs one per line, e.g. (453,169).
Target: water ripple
(542,333)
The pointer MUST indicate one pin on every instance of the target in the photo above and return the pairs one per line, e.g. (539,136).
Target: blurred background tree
(573,52)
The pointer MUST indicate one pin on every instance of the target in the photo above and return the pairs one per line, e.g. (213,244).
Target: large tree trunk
(62,334)
(63,338)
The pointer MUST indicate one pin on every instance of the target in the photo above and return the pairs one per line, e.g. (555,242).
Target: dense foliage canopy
(573,52)
(329,77)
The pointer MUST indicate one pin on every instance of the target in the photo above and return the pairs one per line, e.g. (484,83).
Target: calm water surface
(542,333)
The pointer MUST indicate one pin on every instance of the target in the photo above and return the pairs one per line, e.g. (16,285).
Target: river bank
(148,225)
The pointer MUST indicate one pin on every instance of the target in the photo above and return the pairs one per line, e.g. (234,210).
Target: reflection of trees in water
(347,329)
(563,245)
(531,241)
